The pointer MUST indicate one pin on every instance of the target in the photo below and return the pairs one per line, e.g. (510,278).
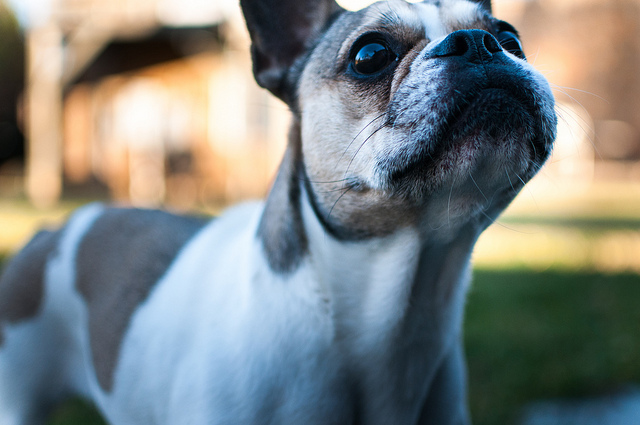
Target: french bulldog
(339,300)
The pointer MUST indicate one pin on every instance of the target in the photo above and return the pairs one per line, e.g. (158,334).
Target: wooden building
(154,101)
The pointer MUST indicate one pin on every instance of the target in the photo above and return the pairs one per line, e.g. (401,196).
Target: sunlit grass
(613,248)
(567,228)
(19,220)
(598,230)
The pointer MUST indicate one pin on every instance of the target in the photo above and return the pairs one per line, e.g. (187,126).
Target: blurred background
(152,103)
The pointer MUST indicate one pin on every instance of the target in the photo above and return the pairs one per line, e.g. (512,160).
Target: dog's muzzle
(467,94)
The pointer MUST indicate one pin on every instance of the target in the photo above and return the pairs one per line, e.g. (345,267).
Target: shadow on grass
(543,335)
(530,336)
(76,412)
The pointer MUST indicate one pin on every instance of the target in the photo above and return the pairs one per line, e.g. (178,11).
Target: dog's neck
(386,288)
(392,272)
(384,294)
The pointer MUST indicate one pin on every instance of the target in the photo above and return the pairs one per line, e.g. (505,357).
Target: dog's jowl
(340,299)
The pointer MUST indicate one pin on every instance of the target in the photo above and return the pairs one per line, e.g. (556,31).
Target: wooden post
(44,115)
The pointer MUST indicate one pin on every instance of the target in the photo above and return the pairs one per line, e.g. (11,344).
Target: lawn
(532,335)
(550,334)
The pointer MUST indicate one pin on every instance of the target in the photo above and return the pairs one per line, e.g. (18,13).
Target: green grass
(76,412)
(584,224)
(544,335)
(530,336)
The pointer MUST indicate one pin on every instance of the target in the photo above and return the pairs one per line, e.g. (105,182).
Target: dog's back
(26,355)
(123,303)
(61,285)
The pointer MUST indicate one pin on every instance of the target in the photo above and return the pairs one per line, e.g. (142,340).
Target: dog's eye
(373,57)
(509,42)
(509,39)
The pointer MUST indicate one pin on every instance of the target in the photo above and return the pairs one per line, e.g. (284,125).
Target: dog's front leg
(446,403)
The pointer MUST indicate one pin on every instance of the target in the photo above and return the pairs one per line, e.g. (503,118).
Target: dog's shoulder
(122,238)
(119,260)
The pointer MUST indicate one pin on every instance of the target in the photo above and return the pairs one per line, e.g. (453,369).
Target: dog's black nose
(475,45)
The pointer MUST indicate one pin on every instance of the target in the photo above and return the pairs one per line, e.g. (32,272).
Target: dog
(339,300)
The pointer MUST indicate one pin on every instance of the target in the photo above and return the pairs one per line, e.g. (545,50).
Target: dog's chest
(237,342)
(287,347)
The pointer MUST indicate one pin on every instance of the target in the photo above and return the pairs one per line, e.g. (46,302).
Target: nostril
(491,44)
(460,46)
(456,44)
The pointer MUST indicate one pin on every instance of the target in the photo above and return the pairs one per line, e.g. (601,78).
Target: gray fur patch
(22,283)
(118,262)
(281,227)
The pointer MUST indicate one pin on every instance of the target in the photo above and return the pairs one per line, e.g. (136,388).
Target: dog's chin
(483,143)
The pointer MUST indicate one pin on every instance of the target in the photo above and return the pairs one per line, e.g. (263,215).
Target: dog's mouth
(489,126)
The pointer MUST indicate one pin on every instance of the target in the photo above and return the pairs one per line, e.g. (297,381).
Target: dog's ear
(281,31)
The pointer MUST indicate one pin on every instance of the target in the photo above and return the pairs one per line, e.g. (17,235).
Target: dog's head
(409,114)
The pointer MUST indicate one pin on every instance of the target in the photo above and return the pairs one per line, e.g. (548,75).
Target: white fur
(218,323)
(461,12)
(213,326)
(367,301)
(50,353)
(430,16)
